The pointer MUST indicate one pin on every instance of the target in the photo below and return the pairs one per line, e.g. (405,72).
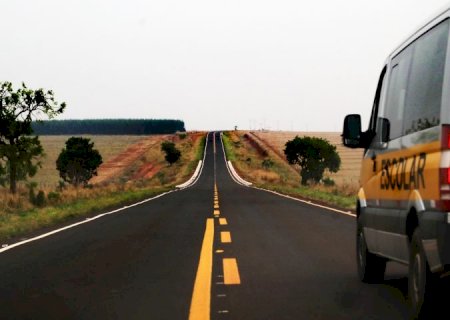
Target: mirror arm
(366,138)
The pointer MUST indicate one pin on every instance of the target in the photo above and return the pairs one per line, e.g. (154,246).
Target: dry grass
(108,146)
(18,214)
(248,162)
(348,175)
(281,176)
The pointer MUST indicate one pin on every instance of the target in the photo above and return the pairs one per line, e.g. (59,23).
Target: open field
(351,158)
(142,172)
(108,146)
(264,165)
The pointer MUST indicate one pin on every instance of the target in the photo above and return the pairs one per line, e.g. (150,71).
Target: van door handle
(374,159)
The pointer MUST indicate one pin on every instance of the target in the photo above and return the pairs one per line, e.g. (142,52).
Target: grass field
(272,171)
(108,146)
(145,174)
(348,175)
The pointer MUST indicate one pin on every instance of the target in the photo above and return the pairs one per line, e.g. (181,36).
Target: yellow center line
(230,271)
(201,296)
(225,237)
(223,221)
(216,212)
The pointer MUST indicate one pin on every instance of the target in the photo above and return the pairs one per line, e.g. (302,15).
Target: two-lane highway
(217,249)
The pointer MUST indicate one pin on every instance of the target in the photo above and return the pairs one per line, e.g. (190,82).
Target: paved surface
(272,258)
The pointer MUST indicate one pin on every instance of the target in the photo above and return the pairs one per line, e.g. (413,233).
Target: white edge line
(17,244)
(236,175)
(237,178)
(226,163)
(200,163)
(191,179)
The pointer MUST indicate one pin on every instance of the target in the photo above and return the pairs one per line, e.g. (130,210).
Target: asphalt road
(272,258)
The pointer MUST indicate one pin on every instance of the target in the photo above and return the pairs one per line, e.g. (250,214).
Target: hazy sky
(288,65)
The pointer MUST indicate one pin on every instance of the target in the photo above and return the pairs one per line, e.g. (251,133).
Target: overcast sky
(281,65)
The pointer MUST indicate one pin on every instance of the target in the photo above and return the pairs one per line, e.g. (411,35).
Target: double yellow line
(201,296)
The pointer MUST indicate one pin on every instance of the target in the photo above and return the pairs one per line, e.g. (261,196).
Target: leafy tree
(313,155)
(18,149)
(172,153)
(78,161)
(27,155)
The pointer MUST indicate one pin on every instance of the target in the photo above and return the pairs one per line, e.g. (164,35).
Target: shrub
(78,161)
(328,181)
(172,153)
(161,177)
(267,163)
(54,197)
(40,199)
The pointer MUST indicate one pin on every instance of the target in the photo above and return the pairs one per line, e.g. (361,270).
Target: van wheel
(371,267)
(421,281)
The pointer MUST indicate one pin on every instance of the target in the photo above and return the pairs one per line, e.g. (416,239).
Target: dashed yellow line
(201,296)
(223,221)
(225,237)
(216,212)
(230,271)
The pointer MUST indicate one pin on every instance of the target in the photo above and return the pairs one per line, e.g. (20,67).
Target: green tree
(19,151)
(78,161)
(313,155)
(172,153)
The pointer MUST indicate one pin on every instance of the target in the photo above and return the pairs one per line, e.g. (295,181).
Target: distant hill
(108,127)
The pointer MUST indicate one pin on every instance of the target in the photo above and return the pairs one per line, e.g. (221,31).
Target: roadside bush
(54,197)
(161,177)
(267,163)
(328,182)
(40,199)
(172,153)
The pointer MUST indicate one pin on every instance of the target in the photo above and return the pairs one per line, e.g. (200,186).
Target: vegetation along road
(216,250)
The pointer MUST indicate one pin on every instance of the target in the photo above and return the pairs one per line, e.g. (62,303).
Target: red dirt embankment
(116,166)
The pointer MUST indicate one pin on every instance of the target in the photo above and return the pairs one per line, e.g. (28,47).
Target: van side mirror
(351,136)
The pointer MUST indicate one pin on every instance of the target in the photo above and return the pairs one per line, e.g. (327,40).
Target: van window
(395,101)
(424,93)
(376,102)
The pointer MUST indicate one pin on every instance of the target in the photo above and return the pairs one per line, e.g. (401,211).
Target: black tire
(371,267)
(421,282)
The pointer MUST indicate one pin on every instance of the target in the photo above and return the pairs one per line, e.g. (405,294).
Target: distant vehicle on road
(403,206)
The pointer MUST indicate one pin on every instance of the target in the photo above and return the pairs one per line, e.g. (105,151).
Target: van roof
(443,11)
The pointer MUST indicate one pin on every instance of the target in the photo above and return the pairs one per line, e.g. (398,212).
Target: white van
(403,207)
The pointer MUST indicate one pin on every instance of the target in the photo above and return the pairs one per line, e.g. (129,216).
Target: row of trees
(108,127)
